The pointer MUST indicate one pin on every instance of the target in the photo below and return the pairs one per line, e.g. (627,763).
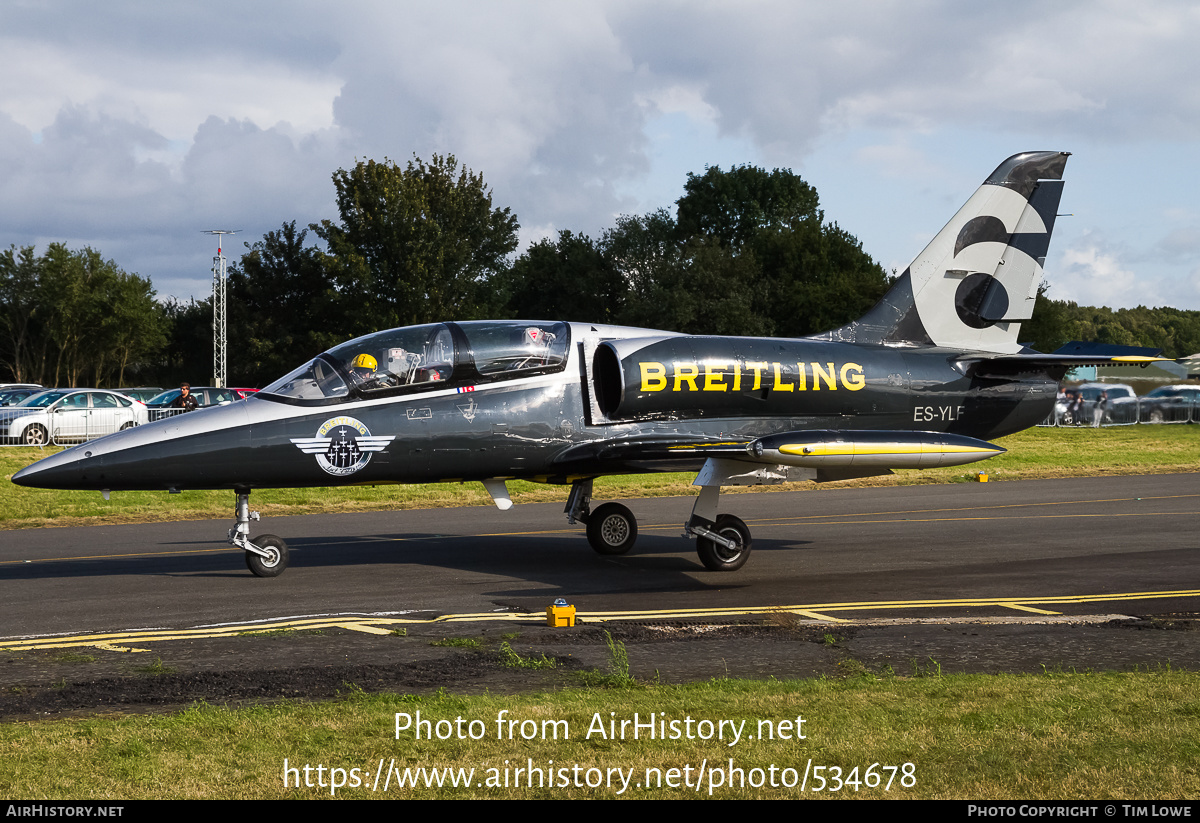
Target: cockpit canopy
(425,358)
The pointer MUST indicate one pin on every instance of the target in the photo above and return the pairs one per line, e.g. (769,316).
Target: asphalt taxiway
(1065,546)
(1024,556)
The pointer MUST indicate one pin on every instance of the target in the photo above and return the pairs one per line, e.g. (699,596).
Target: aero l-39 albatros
(922,380)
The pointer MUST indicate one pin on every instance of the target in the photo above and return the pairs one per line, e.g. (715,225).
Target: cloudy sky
(131,127)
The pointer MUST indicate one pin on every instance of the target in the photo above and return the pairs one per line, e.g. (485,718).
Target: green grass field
(1033,453)
(982,737)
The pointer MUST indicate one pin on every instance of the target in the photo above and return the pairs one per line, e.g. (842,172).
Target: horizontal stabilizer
(1089,349)
(1055,365)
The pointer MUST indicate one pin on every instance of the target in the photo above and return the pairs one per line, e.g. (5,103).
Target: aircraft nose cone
(65,470)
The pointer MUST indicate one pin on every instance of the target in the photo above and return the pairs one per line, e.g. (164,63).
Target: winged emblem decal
(343,445)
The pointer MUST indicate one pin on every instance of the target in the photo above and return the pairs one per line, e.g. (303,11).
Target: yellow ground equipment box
(560,614)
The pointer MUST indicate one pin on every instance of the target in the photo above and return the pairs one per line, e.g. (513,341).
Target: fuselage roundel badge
(342,446)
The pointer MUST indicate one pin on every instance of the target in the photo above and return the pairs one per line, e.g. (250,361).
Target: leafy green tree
(134,331)
(810,275)
(642,249)
(71,317)
(565,279)
(1045,330)
(283,308)
(188,354)
(736,206)
(704,289)
(749,253)
(416,244)
(25,345)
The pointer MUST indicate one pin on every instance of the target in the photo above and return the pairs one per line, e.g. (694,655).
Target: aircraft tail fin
(977,280)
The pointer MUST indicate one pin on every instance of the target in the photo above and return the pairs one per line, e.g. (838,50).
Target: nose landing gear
(267,554)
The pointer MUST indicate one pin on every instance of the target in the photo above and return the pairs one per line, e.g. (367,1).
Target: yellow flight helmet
(365,361)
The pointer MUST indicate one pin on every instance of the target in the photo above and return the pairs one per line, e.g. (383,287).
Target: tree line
(746,251)
(73,318)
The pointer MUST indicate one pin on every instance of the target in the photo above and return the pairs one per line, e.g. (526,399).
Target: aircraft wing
(833,454)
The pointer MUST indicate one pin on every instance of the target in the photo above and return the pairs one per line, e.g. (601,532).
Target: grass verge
(986,737)
(1036,453)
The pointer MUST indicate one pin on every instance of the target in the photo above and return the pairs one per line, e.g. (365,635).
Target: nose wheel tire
(718,558)
(612,529)
(275,563)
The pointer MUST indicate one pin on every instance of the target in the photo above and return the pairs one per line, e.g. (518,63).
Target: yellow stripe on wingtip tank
(832,450)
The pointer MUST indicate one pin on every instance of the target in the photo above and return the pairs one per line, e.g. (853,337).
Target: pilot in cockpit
(362,371)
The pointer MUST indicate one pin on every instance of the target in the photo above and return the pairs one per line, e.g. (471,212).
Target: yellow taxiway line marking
(1022,608)
(121,641)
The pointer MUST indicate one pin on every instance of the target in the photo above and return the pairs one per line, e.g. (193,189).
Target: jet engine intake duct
(607,381)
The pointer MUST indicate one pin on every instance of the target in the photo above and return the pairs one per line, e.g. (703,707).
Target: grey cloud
(84,170)
(550,101)
(545,107)
(292,31)
(1181,244)
(789,73)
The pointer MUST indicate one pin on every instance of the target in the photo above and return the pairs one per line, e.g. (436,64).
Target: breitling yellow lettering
(830,377)
(780,385)
(727,376)
(654,376)
(855,381)
(713,377)
(757,368)
(686,373)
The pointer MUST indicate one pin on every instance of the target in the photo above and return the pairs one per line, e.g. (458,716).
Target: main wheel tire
(272,566)
(35,435)
(612,529)
(716,557)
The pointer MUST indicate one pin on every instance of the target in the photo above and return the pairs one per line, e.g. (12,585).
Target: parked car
(69,415)
(11,397)
(1068,413)
(1169,404)
(143,393)
(160,405)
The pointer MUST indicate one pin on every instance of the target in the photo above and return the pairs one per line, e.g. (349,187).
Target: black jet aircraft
(924,379)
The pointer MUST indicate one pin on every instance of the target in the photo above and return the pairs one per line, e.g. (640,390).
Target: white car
(69,415)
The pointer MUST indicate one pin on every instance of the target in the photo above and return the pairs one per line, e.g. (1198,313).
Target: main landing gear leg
(611,528)
(266,555)
(722,540)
